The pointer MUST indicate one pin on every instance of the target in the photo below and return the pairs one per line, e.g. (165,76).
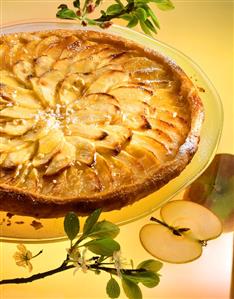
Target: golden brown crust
(24,202)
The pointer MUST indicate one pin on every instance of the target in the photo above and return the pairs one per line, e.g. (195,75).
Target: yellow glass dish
(13,228)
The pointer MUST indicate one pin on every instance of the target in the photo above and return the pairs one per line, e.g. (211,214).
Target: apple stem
(160,222)
(176,231)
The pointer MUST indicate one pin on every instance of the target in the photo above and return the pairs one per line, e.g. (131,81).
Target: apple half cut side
(184,229)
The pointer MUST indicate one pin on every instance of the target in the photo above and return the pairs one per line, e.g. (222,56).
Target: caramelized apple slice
(22,70)
(87,131)
(128,93)
(45,87)
(50,46)
(86,65)
(66,157)
(71,89)
(85,150)
(18,112)
(103,172)
(88,181)
(97,98)
(116,139)
(49,145)
(140,63)
(135,121)
(8,79)
(94,117)
(108,80)
(157,148)
(17,129)
(20,96)
(121,174)
(145,157)
(43,64)
(19,157)
(131,163)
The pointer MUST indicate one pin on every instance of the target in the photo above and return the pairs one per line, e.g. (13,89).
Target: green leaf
(149,24)
(76,3)
(105,247)
(147,278)
(71,225)
(133,22)
(164,4)
(145,28)
(66,13)
(104,229)
(114,9)
(131,289)
(141,14)
(126,17)
(151,265)
(90,221)
(62,6)
(112,288)
(153,17)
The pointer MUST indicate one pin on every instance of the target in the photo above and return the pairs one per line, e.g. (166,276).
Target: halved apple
(178,238)
(160,242)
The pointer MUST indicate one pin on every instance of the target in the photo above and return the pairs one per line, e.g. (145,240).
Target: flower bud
(106,24)
(90,7)
(84,23)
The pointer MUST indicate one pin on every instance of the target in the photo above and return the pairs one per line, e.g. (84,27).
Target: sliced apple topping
(15,158)
(22,70)
(117,137)
(141,63)
(185,227)
(145,157)
(71,89)
(108,80)
(66,157)
(128,93)
(17,127)
(19,96)
(103,172)
(9,79)
(49,46)
(43,64)
(131,163)
(120,172)
(85,150)
(49,145)
(87,131)
(18,112)
(45,86)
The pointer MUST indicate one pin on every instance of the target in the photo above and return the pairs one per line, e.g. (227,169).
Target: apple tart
(89,120)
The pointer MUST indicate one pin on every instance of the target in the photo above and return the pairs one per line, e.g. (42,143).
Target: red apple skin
(215,189)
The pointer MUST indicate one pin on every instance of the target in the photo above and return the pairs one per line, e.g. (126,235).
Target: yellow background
(204,31)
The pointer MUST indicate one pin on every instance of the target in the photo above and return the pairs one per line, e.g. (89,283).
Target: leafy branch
(134,12)
(97,238)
